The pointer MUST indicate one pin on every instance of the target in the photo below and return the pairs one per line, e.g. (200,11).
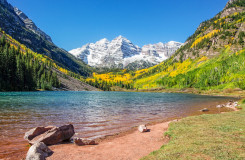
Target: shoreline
(156,122)
(125,145)
(131,131)
(235,93)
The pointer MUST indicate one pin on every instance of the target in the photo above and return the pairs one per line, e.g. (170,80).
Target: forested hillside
(212,58)
(21,71)
(24,70)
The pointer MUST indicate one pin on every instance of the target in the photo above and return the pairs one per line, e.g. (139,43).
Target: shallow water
(93,114)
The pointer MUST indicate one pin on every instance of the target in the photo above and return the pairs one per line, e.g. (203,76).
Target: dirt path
(132,146)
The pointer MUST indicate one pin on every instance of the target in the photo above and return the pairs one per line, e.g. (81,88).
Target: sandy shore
(130,146)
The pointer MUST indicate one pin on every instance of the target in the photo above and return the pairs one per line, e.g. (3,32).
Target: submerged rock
(38,151)
(142,128)
(52,136)
(82,142)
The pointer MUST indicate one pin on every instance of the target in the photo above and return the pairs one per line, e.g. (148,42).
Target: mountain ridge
(31,25)
(120,53)
(15,23)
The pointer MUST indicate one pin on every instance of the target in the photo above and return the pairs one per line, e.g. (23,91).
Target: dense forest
(21,71)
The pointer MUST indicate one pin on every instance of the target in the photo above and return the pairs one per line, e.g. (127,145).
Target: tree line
(106,86)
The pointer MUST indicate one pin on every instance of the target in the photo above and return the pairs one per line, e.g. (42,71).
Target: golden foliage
(180,68)
(40,57)
(112,78)
(204,58)
(209,35)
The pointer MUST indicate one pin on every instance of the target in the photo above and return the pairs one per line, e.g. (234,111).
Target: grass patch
(220,136)
(242,104)
(243,101)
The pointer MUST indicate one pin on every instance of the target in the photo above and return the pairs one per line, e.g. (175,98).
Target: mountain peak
(120,53)
(121,38)
(171,42)
(102,41)
(230,2)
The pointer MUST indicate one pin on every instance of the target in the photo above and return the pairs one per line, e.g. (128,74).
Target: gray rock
(205,110)
(82,142)
(142,128)
(52,136)
(38,151)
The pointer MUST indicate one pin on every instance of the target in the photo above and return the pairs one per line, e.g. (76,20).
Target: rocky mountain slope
(213,35)
(15,23)
(122,53)
(212,58)
(31,25)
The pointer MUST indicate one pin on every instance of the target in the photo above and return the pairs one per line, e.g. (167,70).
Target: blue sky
(73,23)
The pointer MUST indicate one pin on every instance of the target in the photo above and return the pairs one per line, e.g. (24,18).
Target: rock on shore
(38,151)
(142,128)
(50,135)
(82,142)
(230,104)
(205,110)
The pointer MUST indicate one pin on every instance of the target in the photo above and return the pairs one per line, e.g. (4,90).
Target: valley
(120,65)
(87,103)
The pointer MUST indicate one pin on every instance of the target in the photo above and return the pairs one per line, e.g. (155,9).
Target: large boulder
(52,136)
(38,151)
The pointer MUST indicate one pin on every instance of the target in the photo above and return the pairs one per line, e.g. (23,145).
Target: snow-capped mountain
(121,53)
